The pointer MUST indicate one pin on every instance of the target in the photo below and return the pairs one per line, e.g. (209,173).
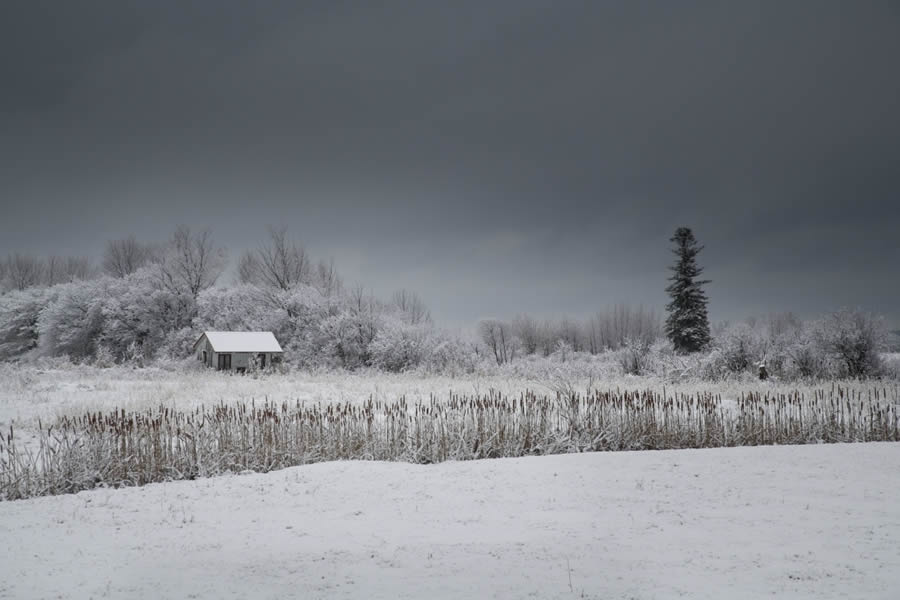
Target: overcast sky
(496,157)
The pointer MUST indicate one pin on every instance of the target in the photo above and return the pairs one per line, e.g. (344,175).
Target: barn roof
(242,341)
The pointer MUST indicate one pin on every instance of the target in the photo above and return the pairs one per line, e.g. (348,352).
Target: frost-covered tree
(19,312)
(139,315)
(237,308)
(571,333)
(528,332)
(327,279)
(279,265)
(66,269)
(286,278)
(191,262)
(123,257)
(687,325)
(22,271)
(411,307)
(498,337)
(71,324)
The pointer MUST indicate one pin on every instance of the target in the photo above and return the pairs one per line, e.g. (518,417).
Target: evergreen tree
(687,325)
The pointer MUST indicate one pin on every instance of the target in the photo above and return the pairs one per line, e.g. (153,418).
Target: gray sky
(496,157)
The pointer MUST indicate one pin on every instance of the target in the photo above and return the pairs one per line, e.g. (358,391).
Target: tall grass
(122,448)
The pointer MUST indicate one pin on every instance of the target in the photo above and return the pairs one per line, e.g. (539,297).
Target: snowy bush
(738,349)
(450,355)
(635,356)
(346,338)
(855,340)
(891,365)
(399,346)
(179,344)
(104,357)
(805,358)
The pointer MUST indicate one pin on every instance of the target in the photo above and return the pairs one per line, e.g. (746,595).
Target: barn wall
(210,355)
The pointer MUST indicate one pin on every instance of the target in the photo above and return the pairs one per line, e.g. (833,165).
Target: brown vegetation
(134,448)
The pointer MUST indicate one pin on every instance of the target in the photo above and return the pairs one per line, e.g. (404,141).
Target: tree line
(845,343)
(148,302)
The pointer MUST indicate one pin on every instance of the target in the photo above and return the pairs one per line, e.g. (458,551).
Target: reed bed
(129,448)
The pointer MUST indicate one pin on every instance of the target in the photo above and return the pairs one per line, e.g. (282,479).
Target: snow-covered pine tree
(687,325)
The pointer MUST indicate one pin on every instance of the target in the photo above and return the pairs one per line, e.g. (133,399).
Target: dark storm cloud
(496,156)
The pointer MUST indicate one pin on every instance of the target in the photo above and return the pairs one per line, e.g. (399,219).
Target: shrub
(635,356)
(400,346)
(855,340)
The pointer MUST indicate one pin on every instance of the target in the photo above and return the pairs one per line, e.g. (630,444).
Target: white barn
(237,350)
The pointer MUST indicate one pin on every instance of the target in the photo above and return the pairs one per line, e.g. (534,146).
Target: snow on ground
(793,522)
(28,392)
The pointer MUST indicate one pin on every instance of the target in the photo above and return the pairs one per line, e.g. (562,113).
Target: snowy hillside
(798,522)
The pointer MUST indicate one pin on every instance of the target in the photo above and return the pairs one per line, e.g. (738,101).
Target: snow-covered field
(789,522)
(28,392)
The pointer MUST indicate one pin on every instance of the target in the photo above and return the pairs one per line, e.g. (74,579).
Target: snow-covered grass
(789,522)
(29,392)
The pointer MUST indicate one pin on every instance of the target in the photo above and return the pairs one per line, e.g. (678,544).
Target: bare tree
(59,269)
(527,330)
(411,306)
(498,337)
(123,257)
(363,311)
(23,271)
(280,265)
(548,337)
(613,328)
(191,262)
(327,279)
(53,271)
(79,267)
(569,331)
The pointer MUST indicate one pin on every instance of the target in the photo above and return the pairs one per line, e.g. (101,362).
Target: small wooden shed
(238,350)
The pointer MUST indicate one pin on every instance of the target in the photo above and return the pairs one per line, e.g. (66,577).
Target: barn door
(262,361)
(224,362)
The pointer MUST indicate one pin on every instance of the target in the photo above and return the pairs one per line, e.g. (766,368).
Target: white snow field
(28,393)
(789,522)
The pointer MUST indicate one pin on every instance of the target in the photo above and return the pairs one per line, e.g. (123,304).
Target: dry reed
(122,448)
